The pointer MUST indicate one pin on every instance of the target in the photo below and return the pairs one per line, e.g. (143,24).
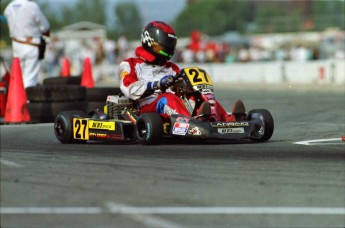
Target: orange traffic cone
(86,78)
(65,71)
(3,91)
(16,108)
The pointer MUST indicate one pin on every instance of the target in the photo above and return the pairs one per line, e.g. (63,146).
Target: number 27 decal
(80,129)
(198,76)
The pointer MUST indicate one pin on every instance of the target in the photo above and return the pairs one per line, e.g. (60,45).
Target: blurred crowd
(100,52)
(202,49)
(198,48)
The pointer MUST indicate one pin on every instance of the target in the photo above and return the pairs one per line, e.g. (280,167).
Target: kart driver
(144,77)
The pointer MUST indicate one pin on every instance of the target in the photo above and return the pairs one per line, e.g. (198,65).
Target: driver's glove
(164,83)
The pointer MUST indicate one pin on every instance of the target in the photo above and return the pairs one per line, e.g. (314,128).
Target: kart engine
(116,104)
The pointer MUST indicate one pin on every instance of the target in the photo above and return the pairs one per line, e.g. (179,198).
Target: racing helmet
(159,39)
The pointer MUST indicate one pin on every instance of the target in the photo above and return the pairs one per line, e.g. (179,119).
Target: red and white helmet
(159,39)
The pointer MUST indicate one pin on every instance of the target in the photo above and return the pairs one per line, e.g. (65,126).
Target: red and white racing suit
(135,73)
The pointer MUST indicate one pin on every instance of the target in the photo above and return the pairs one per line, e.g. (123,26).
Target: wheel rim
(59,128)
(261,131)
(260,128)
(142,131)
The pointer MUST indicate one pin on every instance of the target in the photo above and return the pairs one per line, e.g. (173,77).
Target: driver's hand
(166,81)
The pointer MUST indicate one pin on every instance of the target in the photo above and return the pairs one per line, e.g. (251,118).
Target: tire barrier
(61,94)
(72,80)
(97,97)
(56,93)
(101,93)
(45,112)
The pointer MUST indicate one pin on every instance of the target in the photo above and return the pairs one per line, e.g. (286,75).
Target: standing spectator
(110,49)
(299,54)
(243,54)
(27,24)
(187,55)
(54,56)
(98,48)
(122,47)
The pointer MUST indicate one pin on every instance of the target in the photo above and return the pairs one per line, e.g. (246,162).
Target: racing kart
(121,120)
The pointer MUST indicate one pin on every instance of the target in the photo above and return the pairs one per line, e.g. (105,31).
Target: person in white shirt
(27,24)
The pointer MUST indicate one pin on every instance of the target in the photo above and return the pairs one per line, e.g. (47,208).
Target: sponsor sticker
(194,131)
(230,124)
(98,135)
(94,124)
(207,91)
(180,128)
(237,130)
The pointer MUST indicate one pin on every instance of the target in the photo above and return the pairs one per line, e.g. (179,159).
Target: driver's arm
(134,88)
(130,86)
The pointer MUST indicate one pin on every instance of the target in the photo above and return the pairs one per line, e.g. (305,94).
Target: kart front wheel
(149,128)
(265,124)
(63,126)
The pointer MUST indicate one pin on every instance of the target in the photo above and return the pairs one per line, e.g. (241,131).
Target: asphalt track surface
(297,179)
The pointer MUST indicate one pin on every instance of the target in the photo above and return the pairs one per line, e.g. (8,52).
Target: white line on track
(144,218)
(126,210)
(10,163)
(51,210)
(321,142)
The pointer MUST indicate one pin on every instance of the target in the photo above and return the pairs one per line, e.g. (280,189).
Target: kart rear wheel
(149,128)
(265,129)
(63,126)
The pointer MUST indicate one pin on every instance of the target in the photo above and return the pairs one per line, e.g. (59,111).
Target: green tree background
(129,20)
(213,17)
(219,16)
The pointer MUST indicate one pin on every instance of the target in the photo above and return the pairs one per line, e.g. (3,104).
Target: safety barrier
(311,72)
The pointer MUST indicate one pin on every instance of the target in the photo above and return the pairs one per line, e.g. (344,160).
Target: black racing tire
(149,129)
(63,126)
(55,93)
(265,116)
(62,81)
(101,93)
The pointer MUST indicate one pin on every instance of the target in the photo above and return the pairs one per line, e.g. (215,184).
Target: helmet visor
(162,51)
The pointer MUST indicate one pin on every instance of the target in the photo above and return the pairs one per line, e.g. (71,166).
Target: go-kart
(121,120)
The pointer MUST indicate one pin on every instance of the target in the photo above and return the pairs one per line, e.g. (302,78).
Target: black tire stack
(96,97)
(62,94)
